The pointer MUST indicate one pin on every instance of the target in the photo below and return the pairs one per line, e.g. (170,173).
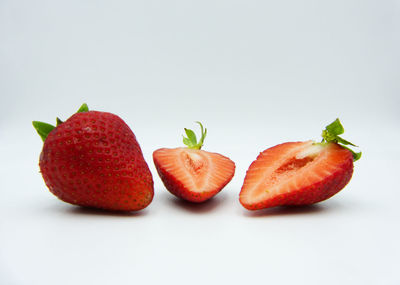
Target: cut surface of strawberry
(297,173)
(193,174)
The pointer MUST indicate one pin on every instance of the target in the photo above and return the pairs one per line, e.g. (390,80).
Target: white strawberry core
(311,151)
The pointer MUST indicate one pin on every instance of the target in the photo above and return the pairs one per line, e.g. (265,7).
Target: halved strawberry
(193,174)
(299,173)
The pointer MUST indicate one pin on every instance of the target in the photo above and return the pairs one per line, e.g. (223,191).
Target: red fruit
(298,173)
(193,174)
(94,160)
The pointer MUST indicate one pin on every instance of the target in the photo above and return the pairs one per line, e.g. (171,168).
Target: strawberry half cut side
(193,174)
(298,173)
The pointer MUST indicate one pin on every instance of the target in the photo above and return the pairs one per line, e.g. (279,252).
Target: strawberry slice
(299,173)
(191,173)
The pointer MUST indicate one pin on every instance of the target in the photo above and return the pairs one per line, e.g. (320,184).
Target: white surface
(256,73)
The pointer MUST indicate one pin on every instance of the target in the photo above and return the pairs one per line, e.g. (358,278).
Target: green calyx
(83,108)
(331,134)
(191,141)
(43,129)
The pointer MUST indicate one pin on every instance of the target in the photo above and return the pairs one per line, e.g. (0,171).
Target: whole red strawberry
(191,173)
(299,173)
(93,160)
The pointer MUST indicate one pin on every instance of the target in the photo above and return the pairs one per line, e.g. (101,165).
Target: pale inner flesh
(283,175)
(197,165)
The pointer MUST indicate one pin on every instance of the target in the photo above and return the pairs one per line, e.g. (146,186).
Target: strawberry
(299,173)
(190,173)
(93,160)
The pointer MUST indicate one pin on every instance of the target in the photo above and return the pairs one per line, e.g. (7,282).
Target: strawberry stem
(43,129)
(191,140)
(331,134)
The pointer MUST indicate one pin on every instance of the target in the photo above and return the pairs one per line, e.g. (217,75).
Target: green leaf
(191,136)
(59,122)
(343,141)
(335,128)
(83,108)
(356,155)
(331,135)
(191,140)
(203,134)
(43,129)
(187,142)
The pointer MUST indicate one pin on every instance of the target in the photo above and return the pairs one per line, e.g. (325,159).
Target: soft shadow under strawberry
(98,212)
(197,208)
(287,210)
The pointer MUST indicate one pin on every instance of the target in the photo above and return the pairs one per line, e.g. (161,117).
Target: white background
(256,73)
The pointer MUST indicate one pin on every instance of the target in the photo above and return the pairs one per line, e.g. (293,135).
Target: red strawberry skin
(170,164)
(325,175)
(94,160)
